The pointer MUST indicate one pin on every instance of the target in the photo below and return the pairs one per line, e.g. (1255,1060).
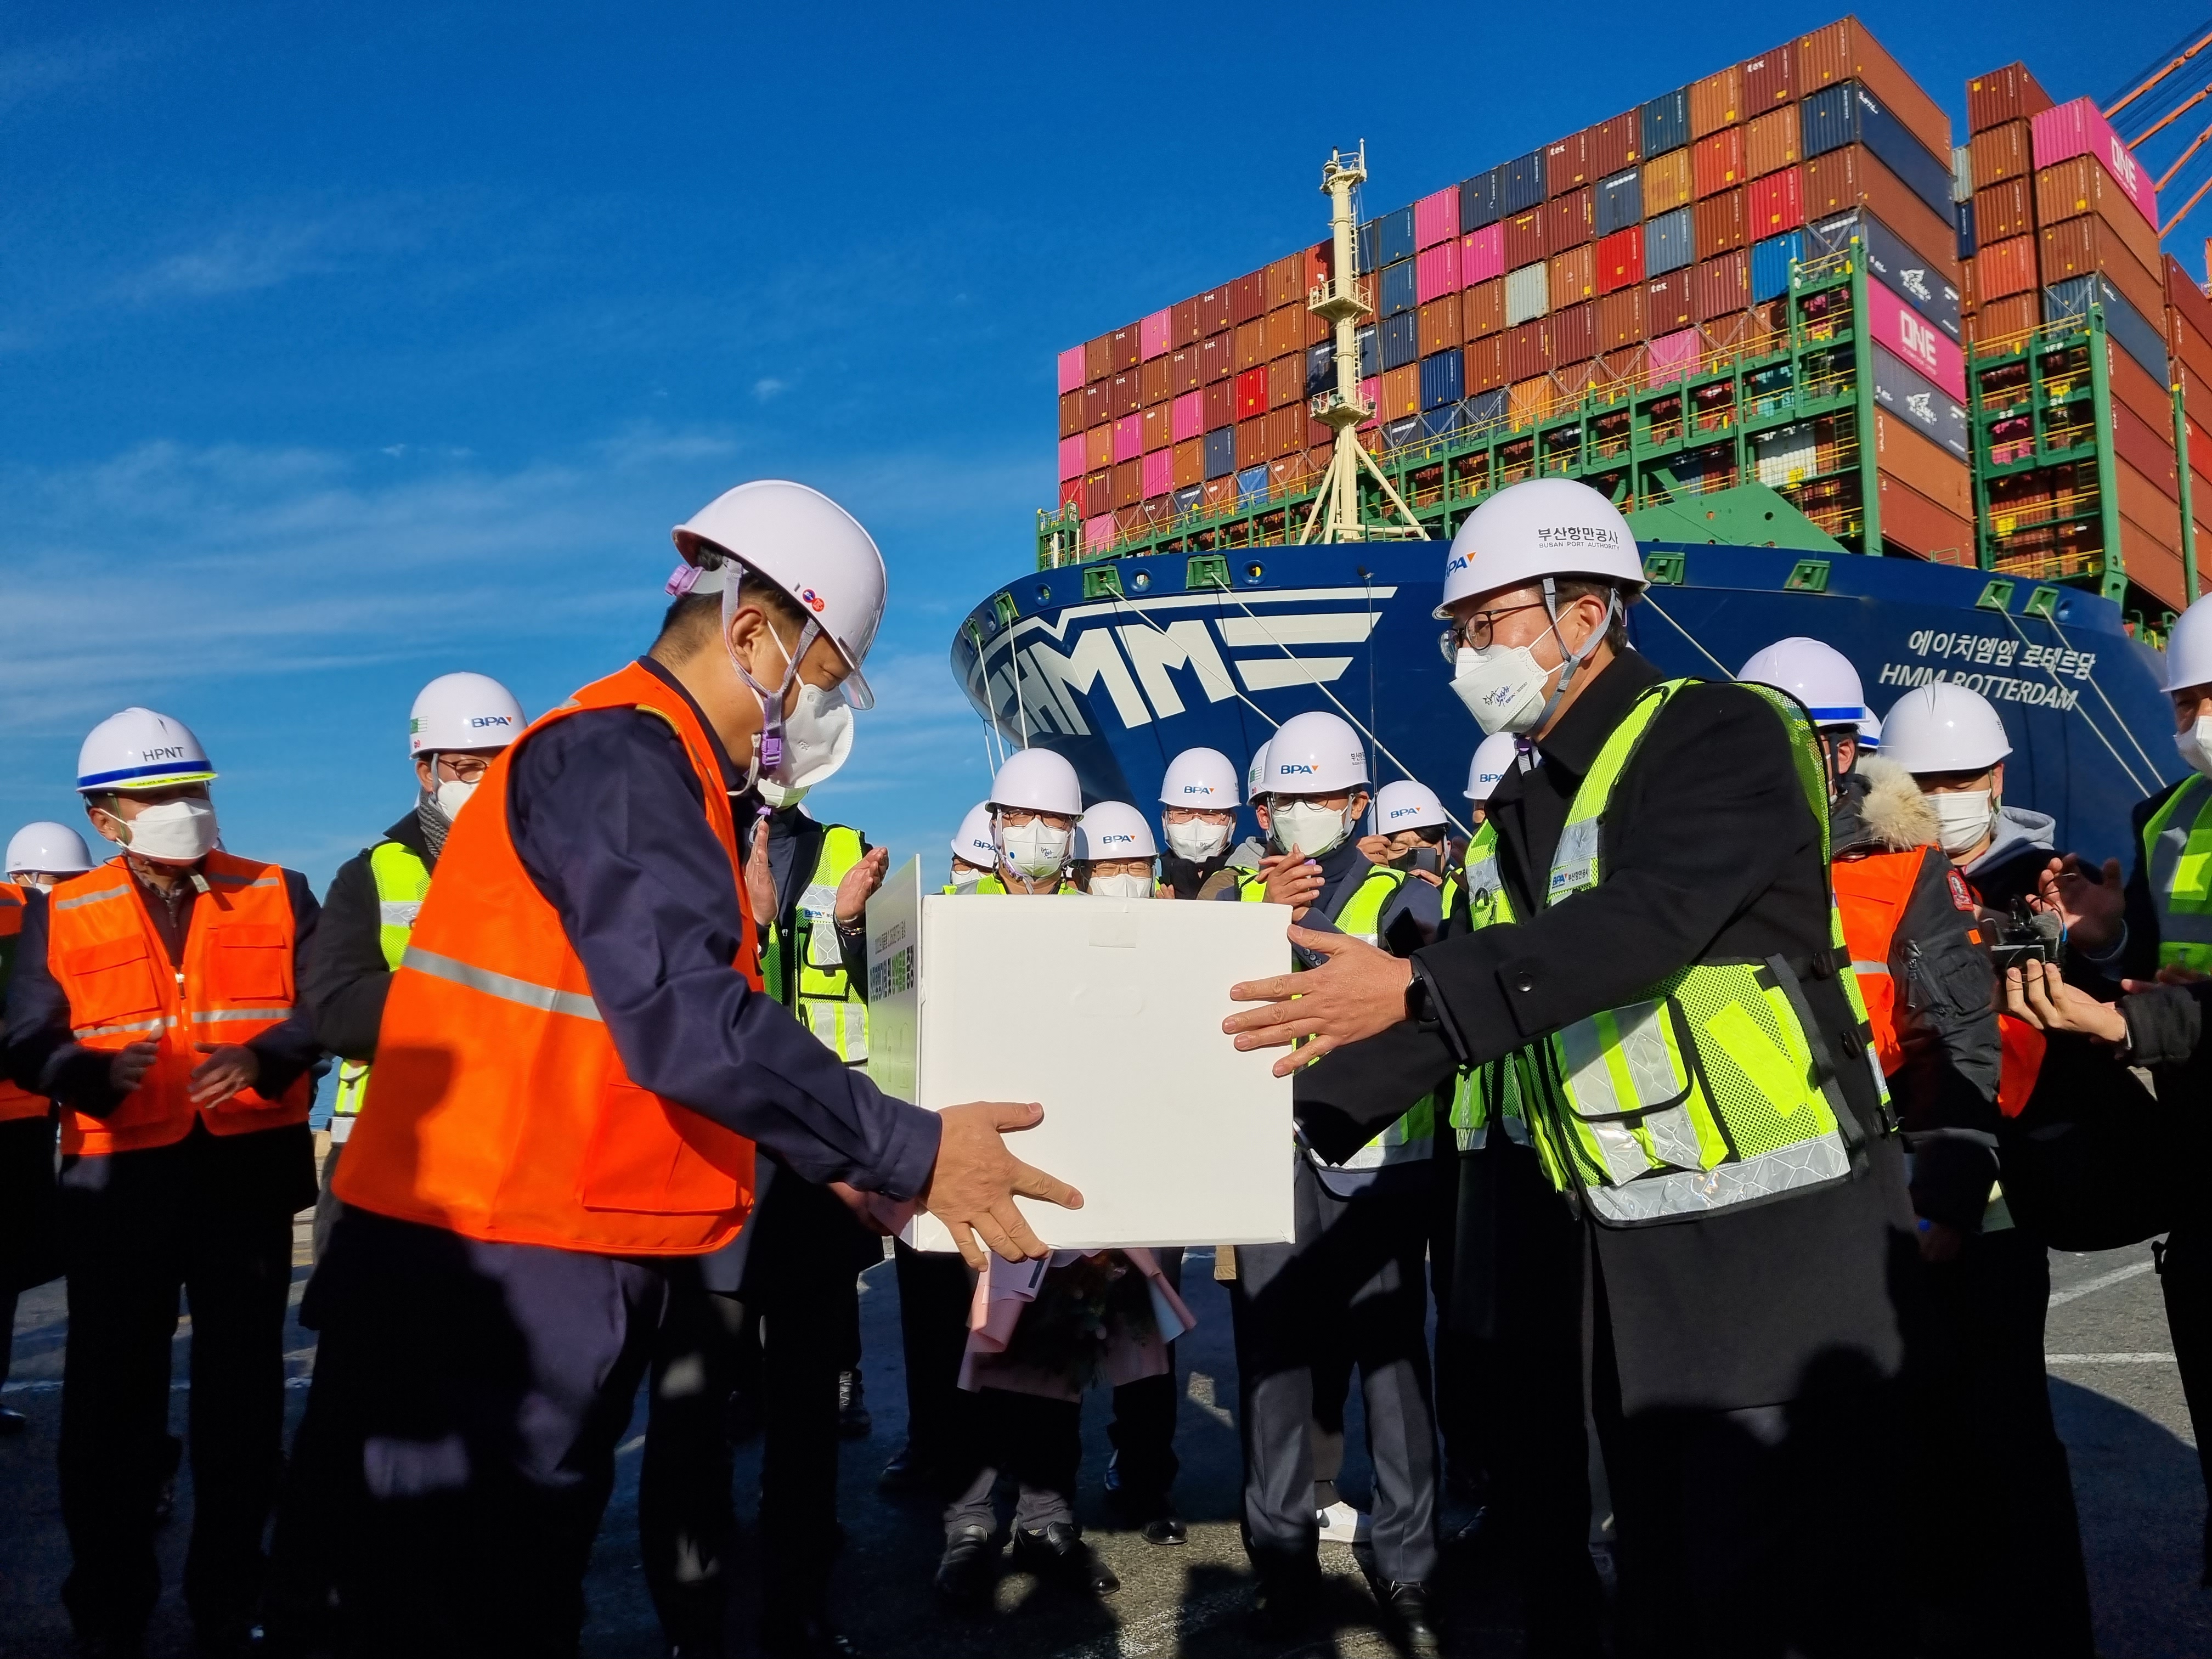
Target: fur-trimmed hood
(1879,809)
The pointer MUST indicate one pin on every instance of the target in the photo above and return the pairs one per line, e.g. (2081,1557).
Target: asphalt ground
(2113,1385)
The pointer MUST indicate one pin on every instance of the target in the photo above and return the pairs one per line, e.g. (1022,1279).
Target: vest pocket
(251,963)
(111,981)
(640,1162)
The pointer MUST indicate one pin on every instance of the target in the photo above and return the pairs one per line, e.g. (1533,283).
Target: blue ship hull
(1122,683)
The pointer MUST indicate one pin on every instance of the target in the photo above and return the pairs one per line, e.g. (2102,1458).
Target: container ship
(1934,403)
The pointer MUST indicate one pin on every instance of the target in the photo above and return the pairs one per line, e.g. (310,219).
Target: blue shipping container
(1847,113)
(1402,340)
(1251,485)
(1321,367)
(1484,409)
(1770,264)
(1619,202)
(1667,243)
(1967,245)
(1824,120)
(1370,240)
(2137,338)
(1371,352)
(1439,422)
(1479,199)
(1524,182)
(1399,289)
(1665,123)
(1907,273)
(1187,499)
(1443,378)
(1396,237)
(1911,396)
(1221,453)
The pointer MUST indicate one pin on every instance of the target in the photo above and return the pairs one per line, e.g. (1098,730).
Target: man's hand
(131,1063)
(228,1069)
(1292,878)
(972,1187)
(1377,849)
(2034,992)
(760,881)
(860,885)
(1357,994)
(2091,907)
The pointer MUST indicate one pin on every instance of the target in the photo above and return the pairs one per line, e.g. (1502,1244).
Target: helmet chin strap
(1571,660)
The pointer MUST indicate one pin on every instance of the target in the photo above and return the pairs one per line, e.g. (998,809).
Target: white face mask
(1311,829)
(1197,841)
(777,796)
(802,748)
(1502,685)
(1962,818)
(2196,745)
(452,795)
(1036,848)
(965,881)
(1119,887)
(175,832)
(39,878)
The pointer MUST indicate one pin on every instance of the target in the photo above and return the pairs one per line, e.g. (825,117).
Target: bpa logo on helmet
(1289,767)
(1405,811)
(477,721)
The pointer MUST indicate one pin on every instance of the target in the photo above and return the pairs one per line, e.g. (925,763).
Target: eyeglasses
(464,769)
(1474,632)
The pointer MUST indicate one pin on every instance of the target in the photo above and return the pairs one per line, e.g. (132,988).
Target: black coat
(1710,850)
(345,985)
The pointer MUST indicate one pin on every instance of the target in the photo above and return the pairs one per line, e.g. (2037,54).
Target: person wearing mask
(1954,743)
(1690,1073)
(1351,1287)
(576,1071)
(1198,816)
(1411,837)
(154,998)
(1982,1413)
(1035,803)
(1243,859)
(974,858)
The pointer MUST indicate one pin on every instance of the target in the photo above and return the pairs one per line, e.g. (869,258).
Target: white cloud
(250,257)
(766,387)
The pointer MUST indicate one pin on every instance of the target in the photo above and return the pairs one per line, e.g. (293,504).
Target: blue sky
(343,347)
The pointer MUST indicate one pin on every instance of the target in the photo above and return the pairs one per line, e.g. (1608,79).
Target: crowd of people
(1715,1087)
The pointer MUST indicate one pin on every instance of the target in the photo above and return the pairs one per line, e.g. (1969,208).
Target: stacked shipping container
(2072,453)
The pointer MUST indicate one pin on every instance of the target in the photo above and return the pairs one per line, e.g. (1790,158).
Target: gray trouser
(326,1204)
(1353,1282)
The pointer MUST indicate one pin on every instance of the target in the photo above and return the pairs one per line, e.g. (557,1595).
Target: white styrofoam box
(1107,1012)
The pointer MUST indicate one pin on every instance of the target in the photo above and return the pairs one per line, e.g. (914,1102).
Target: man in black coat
(1742,1355)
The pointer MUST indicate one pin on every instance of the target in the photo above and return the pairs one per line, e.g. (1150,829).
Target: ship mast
(1341,299)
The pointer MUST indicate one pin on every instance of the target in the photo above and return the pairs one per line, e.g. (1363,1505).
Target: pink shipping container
(1070,370)
(1918,341)
(2078,128)
(1675,350)
(1188,417)
(1128,438)
(1371,393)
(1436,218)
(1071,457)
(1159,473)
(1154,334)
(1098,533)
(1482,255)
(1435,272)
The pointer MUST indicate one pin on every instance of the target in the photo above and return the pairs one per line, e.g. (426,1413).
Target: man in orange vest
(153,997)
(574,1070)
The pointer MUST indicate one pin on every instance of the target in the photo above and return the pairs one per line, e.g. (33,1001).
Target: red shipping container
(2010,94)
(1565,165)
(1286,380)
(1182,322)
(2000,153)
(1212,308)
(1125,394)
(1842,179)
(1321,264)
(1846,51)
(1252,442)
(1769,79)
(1217,358)
(1252,392)
(1719,224)
(1669,304)
(1571,276)
(1071,495)
(2082,185)
(1573,333)
(1097,406)
(1774,204)
(2087,244)
(1186,416)
(1620,318)
(1286,281)
(1716,162)
(1568,220)
(2077,127)
(1482,308)
(1129,483)
(1401,393)
(1070,413)
(1486,363)
(1620,260)
(1159,430)
(1099,359)
(1186,370)
(1251,342)
(1611,145)
(1248,297)
(1286,330)
(1526,353)
(1440,324)
(1286,431)
(1910,523)
(1220,404)
(1070,368)
(1436,217)
(1127,347)
(1128,438)
(1771,140)
(1524,239)
(1190,463)
(2005,318)
(1723,286)
(1716,101)
(1098,493)
(2003,211)
(1153,386)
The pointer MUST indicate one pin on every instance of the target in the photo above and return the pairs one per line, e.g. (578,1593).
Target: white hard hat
(972,845)
(1943,727)
(807,545)
(1203,778)
(1870,733)
(1114,829)
(1494,759)
(1405,804)
(1037,781)
(1537,528)
(1315,753)
(1255,775)
(46,848)
(2189,648)
(1816,674)
(139,749)
(463,711)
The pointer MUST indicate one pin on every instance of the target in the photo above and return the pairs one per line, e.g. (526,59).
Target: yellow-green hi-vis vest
(1410,1139)
(402,879)
(2177,849)
(806,973)
(1712,1090)
(983,885)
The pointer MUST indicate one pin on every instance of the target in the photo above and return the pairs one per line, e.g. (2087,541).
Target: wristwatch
(1420,1007)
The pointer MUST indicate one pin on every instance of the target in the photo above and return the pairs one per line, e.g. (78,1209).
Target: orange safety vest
(15,1102)
(1871,894)
(498,1107)
(236,983)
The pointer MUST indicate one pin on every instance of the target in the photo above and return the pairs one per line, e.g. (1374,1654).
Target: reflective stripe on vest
(498,1107)
(402,881)
(14,1103)
(826,1002)
(236,982)
(2177,849)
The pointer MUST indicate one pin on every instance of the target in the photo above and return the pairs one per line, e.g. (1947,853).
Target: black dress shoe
(968,1567)
(1165,1529)
(852,1420)
(1286,1604)
(1405,1617)
(807,1636)
(13,1421)
(1057,1554)
(909,1470)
